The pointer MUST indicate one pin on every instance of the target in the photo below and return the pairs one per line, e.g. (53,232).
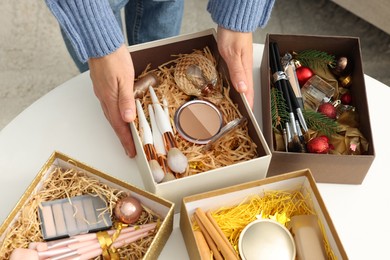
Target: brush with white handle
(165,105)
(162,159)
(159,145)
(158,140)
(147,140)
(176,160)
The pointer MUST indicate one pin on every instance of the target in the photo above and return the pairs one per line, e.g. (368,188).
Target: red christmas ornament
(328,110)
(303,74)
(346,98)
(318,145)
(326,139)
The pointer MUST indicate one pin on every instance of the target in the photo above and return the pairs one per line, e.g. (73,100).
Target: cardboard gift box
(301,181)
(161,207)
(326,168)
(156,53)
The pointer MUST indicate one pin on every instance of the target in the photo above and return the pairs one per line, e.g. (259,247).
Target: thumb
(126,102)
(242,83)
(238,76)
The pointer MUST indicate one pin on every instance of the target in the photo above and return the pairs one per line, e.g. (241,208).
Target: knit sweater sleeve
(90,26)
(240,15)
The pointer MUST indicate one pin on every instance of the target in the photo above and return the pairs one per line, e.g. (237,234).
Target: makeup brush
(157,137)
(165,105)
(119,242)
(158,143)
(286,87)
(297,107)
(147,140)
(82,253)
(280,79)
(285,139)
(176,160)
(97,252)
(289,66)
(168,174)
(44,246)
(66,250)
(301,137)
(128,235)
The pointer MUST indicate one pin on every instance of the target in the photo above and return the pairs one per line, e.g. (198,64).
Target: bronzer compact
(201,122)
(198,121)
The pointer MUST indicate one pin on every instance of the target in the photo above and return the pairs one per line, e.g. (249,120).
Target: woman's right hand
(113,79)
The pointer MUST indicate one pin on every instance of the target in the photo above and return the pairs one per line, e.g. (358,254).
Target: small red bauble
(346,98)
(318,145)
(304,74)
(324,137)
(328,110)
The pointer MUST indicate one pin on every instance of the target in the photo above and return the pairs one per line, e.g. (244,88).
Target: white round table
(69,119)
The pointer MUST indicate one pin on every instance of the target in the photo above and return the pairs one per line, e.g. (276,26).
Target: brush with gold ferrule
(147,140)
(159,145)
(176,160)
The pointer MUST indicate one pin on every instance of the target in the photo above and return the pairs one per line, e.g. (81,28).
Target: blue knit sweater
(94,31)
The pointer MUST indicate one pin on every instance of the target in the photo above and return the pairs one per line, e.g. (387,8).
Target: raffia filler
(174,86)
(66,183)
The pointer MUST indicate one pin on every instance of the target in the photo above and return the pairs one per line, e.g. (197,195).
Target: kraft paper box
(301,181)
(162,207)
(160,52)
(326,168)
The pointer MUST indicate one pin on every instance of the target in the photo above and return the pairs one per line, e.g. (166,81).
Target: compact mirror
(198,121)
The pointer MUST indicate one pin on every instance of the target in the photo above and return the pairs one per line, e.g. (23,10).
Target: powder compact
(198,121)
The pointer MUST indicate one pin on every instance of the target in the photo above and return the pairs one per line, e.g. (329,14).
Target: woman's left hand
(237,50)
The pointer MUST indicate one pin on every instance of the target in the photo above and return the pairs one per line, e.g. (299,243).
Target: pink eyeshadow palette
(77,215)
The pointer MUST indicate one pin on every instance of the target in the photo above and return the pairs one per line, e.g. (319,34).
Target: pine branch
(319,122)
(279,110)
(315,59)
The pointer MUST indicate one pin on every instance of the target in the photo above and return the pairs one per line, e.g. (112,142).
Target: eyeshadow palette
(73,216)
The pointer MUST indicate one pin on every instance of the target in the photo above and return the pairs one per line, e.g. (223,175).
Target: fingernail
(241,86)
(129,115)
(129,154)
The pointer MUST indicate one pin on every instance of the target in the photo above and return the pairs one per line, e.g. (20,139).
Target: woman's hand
(237,50)
(113,79)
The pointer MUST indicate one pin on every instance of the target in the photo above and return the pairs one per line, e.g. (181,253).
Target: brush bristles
(295,145)
(176,160)
(168,177)
(157,171)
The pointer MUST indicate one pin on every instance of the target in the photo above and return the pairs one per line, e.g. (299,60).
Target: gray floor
(33,58)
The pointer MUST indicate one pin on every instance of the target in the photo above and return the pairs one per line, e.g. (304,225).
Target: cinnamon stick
(204,249)
(216,226)
(221,244)
(217,255)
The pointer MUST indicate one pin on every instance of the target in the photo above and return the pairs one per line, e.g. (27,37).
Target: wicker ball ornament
(190,84)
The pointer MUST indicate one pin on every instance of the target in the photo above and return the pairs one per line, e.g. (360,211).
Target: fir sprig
(315,59)
(279,110)
(319,122)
